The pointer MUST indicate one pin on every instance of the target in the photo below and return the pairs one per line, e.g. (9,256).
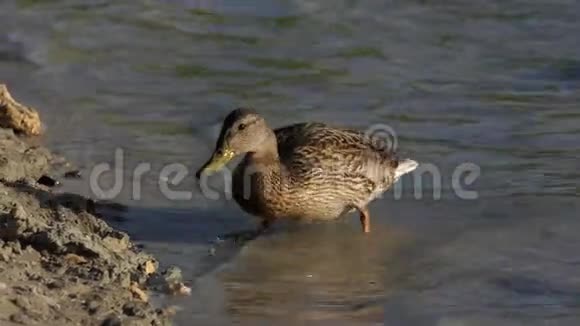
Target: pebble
(172,275)
(183,289)
(111,321)
(18,318)
(75,259)
(93,306)
(138,293)
(150,267)
(74,174)
(55,284)
(48,181)
(130,309)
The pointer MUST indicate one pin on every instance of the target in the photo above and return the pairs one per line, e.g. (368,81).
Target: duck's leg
(264,225)
(365,219)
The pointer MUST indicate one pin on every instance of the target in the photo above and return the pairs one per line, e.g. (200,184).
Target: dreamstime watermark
(171,176)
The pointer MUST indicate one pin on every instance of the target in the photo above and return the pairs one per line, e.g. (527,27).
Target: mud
(60,262)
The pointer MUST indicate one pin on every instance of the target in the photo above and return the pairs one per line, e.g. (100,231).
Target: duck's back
(316,145)
(333,169)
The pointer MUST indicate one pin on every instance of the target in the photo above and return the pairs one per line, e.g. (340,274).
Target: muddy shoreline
(60,262)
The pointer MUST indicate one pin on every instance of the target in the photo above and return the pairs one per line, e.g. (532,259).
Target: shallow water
(493,83)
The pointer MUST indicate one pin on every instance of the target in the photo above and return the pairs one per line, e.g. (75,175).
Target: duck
(304,171)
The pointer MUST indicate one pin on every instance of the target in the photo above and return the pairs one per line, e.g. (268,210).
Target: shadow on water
(191,238)
(320,271)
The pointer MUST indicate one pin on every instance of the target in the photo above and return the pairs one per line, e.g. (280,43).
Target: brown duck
(303,171)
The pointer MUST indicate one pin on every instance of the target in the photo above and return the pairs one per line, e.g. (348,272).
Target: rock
(170,282)
(60,263)
(111,321)
(16,247)
(173,275)
(18,117)
(182,289)
(74,174)
(168,311)
(92,306)
(117,243)
(138,293)
(75,259)
(48,181)
(150,267)
(20,161)
(55,284)
(19,318)
(134,309)
(130,309)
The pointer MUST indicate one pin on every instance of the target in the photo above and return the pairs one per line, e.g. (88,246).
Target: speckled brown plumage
(305,171)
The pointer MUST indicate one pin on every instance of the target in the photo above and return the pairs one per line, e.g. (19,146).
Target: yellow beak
(216,162)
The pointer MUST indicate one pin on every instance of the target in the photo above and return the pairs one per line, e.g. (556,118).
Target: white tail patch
(405,166)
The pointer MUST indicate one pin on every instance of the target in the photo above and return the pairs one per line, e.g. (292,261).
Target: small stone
(74,174)
(133,309)
(150,267)
(75,259)
(3,286)
(167,311)
(117,243)
(111,321)
(55,284)
(138,293)
(172,275)
(16,116)
(183,290)
(93,306)
(129,309)
(18,318)
(48,181)
(16,248)
(33,276)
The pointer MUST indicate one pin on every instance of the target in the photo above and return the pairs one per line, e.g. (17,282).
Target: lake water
(494,84)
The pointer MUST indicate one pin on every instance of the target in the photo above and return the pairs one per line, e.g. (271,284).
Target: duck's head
(243,131)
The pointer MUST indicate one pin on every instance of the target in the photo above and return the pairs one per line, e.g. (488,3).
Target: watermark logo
(383,137)
(107,181)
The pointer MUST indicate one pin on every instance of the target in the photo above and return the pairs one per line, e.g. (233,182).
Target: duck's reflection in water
(318,273)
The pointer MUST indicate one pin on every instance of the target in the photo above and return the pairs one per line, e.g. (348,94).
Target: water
(494,83)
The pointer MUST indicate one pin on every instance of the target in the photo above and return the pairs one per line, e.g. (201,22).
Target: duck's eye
(242,126)
(219,152)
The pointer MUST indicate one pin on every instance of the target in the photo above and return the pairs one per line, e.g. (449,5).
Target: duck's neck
(266,158)
(259,177)
(259,180)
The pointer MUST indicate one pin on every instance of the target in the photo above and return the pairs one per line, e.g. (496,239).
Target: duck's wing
(308,146)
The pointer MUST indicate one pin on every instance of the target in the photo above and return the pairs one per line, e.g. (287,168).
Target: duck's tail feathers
(405,166)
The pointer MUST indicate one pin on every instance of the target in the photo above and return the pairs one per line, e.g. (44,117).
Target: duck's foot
(246,235)
(240,236)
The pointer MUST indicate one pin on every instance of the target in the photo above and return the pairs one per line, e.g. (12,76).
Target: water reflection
(320,272)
